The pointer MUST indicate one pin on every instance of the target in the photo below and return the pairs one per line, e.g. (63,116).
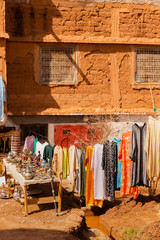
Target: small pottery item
(22,193)
(28,174)
(16,193)
(43,164)
(3,192)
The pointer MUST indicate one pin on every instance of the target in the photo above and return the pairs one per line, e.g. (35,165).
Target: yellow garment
(89,193)
(65,163)
(152,147)
(57,162)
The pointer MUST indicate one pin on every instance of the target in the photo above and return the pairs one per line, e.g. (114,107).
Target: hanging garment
(78,171)
(124,158)
(82,172)
(152,147)
(40,148)
(96,164)
(34,145)
(29,141)
(73,164)
(118,165)
(57,163)
(48,153)
(138,156)
(109,165)
(65,163)
(2,99)
(89,191)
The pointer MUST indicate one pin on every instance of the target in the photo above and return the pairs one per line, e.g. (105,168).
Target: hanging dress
(138,156)
(152,147)
(82,173)
(124,158)
(99,184)
(89,192)
(118,165)
(109,166)
(65,163)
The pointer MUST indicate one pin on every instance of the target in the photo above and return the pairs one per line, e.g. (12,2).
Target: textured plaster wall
(104,34)
(64,20)
(91,94)
(2,16)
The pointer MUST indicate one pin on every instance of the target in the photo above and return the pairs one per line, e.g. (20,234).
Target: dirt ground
(125,219)
(41,223)
(134,219)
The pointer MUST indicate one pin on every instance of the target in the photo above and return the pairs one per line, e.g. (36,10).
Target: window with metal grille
(66,131)
(57,65)
(147,65)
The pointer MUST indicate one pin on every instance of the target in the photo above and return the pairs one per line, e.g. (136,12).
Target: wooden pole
(25,201)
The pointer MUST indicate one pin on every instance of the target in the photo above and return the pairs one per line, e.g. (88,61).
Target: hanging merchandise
(40,148)
(57,162)
(109,165)
(118,165)
(78,171)
(96,164)
(2,99)
(89,192)
(126,166)
(138,156)
(152,147)
(73,165)
(34,145)
(65,163)
(82,173)
(29,142)
(48,153)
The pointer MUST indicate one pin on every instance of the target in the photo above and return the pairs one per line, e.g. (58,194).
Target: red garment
(126,166)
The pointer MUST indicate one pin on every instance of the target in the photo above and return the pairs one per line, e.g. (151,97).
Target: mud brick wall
(2,16)
(104,35)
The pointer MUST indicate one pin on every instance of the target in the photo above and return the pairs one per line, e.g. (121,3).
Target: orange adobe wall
(104,35)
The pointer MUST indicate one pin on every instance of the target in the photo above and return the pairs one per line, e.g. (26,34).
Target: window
(57,65)
(147,65)
(91,131)
(66,131)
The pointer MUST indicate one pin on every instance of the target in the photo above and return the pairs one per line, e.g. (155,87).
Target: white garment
(57,162)
(78,173)
(73,164)
(40,147)
(96,164)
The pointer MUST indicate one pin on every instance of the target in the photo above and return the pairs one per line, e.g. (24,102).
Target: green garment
(65,163)
(83,172)
(34,145)
(48,152)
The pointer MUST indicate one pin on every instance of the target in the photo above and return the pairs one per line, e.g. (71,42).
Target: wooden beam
(43,200)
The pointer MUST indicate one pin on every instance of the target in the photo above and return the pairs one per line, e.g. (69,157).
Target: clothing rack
(67,140)
(37,134)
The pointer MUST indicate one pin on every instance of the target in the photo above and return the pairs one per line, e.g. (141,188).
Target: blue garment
(118,166)
(2,99)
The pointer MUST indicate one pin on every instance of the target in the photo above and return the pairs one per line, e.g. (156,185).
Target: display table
(11,169)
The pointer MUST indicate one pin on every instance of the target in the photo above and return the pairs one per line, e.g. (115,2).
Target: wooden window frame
(37,64)
(136,85)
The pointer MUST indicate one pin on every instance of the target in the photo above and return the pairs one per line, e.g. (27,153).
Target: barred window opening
(57,65)
(147,65)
